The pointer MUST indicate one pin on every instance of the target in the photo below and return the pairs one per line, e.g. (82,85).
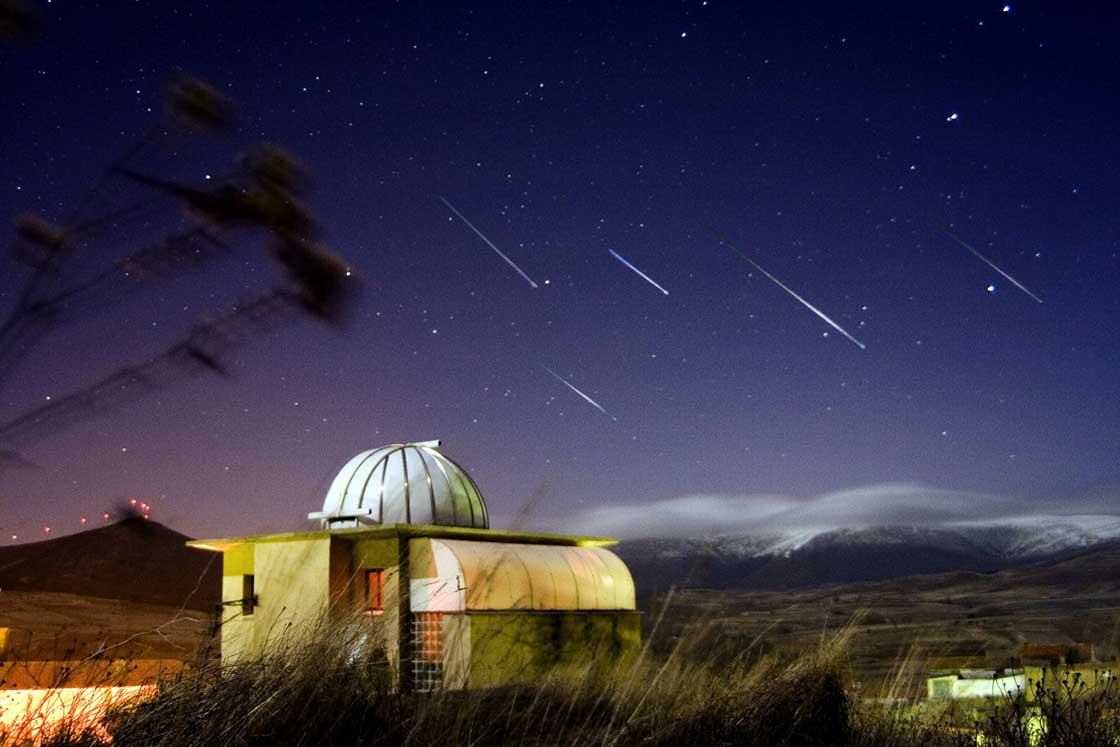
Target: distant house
(976,683)
(1052,654)
(1058,667)
(404,540)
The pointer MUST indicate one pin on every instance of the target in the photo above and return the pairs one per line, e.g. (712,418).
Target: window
(248,596)
(427,636)
(427,651)
(375,591)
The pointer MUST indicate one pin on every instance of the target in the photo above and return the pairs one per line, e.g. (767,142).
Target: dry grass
(336,690)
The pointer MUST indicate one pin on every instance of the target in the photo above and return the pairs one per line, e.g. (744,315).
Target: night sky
(831,146)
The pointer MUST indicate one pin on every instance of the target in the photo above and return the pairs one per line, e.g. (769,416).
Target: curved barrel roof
(459,575)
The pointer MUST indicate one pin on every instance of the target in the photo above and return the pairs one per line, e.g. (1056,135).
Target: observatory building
(404,539)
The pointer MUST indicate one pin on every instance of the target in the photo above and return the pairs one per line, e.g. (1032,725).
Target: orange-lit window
(427,636)
(375,591)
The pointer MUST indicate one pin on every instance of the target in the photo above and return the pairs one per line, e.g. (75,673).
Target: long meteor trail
(590,401)
(641,274)
(489,243)
(988,262)
(727,242)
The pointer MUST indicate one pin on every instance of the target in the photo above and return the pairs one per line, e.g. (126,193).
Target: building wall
(955,686)
(939,688)
(998,687)
(237,631)
(292,584)
(380,554)
(456,651)
(520,647)
(1062,679)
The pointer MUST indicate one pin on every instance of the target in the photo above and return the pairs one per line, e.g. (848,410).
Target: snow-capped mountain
(862,533)
(807,557)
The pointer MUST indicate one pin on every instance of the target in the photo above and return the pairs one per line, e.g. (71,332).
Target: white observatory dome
(403,484)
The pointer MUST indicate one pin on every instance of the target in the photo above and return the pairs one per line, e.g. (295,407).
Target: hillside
(127,590)
(53,625)
(133,560)
(914,623)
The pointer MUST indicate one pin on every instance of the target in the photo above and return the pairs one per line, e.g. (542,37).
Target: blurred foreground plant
(333,686)
(73,265)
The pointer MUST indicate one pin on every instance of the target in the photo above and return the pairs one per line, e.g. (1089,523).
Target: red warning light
(83,520)
(132,501)
(46,530)
(105,515)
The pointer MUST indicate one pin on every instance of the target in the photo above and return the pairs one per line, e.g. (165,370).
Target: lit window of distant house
(248,598)
(375,591)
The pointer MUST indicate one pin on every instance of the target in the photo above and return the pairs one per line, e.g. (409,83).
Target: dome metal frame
(460,488)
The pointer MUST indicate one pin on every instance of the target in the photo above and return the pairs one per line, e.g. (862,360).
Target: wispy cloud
(882,504)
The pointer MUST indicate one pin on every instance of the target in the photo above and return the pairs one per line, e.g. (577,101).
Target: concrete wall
(383,554)
(999,687)
(954,686)
(300,583)
(237,631)
(456,651)
(1088,676)
(520,647)
(292,584)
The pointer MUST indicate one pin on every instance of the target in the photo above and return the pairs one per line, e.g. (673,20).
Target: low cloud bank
(883,504)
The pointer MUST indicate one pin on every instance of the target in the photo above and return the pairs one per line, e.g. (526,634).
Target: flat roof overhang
(409,531)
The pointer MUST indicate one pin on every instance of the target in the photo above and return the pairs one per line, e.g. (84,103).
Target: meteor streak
(726,242)
(592,402)
(988,262)
(489,243)
(641,274)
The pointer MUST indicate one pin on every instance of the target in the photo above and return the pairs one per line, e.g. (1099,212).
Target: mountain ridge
(795,560)
(134,559)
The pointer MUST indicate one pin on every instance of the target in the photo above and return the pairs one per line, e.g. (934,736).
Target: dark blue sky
(821,140)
